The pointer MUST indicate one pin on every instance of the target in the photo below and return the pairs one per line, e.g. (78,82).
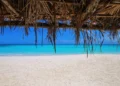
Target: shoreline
(57,54)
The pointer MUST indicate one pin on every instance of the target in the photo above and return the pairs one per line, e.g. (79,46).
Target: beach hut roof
(79,15)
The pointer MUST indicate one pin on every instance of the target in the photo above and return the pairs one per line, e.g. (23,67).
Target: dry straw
(83,15)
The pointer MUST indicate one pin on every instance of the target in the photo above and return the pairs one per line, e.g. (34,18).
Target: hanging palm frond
(83,16)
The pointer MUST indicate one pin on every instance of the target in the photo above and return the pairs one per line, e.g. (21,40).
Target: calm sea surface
(60,49)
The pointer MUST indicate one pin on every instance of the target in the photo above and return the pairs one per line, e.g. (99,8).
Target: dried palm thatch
(83,15)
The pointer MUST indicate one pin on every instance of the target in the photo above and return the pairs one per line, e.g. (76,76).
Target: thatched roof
(82,15)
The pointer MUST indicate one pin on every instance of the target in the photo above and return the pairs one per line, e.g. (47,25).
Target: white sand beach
(60,70)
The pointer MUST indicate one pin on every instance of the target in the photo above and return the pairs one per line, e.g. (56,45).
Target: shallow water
(60,49)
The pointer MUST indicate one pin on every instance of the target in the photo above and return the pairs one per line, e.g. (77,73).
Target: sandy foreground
(60,70)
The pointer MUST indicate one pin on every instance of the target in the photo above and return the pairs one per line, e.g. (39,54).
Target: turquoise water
(60,49)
